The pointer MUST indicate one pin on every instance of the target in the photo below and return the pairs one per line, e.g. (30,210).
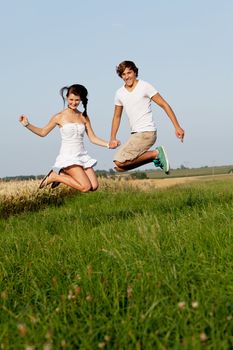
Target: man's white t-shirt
(137,105)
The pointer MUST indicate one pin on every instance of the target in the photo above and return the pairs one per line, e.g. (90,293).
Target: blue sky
(183,47)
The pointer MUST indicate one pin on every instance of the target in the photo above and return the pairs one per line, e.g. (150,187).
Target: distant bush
(139,175)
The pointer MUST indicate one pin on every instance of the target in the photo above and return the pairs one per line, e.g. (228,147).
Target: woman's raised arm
(23,119)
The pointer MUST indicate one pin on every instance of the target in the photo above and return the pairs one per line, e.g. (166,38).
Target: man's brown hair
(126,64)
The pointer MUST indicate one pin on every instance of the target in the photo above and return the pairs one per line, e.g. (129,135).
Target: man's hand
(114,143)
(180,134)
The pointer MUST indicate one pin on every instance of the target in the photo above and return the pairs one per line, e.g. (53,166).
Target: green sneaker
(162,160)
(156,162)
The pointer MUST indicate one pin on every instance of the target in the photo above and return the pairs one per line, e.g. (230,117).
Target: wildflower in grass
(33,319)
(89,270)
(107,338)
(229,317)
(104,250)
(49,335)
(77,290)
(54,282)
(181,305)
(22,329)
(4,295)
(103,280)
(47,346)
(129,292)
(184,341)
(71,295)
(78,277)
(101,345)
(73,292)
(89,297)
(29,347)
(149,274)
(195,304)
(63,343)
(203,337)
(63,297)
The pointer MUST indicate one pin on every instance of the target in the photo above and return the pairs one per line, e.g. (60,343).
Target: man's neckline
(133,89)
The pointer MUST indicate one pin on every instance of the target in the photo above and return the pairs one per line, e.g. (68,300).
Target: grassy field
(203,171)
(128,267)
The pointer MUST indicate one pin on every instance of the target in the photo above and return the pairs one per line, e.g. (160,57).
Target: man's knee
(119,164)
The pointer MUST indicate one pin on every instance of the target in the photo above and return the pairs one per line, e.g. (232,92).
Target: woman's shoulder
(58,116)
(84,120)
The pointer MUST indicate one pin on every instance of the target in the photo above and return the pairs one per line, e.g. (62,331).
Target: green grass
(203,171)
(108,270)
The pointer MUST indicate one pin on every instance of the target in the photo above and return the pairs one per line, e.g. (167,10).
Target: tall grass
(25,196)
(121,270)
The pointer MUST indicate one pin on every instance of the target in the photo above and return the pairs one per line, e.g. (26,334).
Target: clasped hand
(114,143)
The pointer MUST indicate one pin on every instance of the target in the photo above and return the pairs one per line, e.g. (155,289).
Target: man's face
(129,77)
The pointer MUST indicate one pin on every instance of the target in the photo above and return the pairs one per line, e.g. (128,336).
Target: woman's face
(73,101)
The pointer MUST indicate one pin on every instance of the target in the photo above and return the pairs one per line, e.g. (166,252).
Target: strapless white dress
(72,151)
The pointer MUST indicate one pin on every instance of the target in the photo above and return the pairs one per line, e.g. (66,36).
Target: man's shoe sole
(166,160)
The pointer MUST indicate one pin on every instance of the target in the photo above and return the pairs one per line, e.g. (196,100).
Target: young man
(135,97)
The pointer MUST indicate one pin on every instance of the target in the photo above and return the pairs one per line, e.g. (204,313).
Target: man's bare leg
(143,159)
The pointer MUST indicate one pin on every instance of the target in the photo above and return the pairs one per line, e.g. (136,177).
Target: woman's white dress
(72,151)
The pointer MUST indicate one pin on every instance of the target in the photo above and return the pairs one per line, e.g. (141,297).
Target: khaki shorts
(137,144)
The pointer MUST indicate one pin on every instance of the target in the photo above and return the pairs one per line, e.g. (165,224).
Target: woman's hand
(23,120)
(114,143)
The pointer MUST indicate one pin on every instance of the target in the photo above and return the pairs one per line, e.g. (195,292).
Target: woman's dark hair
(77,90)
(126,64)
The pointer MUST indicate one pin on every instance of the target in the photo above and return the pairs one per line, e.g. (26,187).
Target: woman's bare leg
(90,174)
(73,176)
(93,178)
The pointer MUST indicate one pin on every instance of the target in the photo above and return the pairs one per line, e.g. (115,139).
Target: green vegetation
(183,171)
(154,173)
(121,270)
(140,175)
(32,200)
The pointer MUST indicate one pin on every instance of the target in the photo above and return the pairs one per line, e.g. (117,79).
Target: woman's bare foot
(48,179)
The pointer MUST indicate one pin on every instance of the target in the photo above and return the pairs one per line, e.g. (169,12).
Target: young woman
(73,166)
